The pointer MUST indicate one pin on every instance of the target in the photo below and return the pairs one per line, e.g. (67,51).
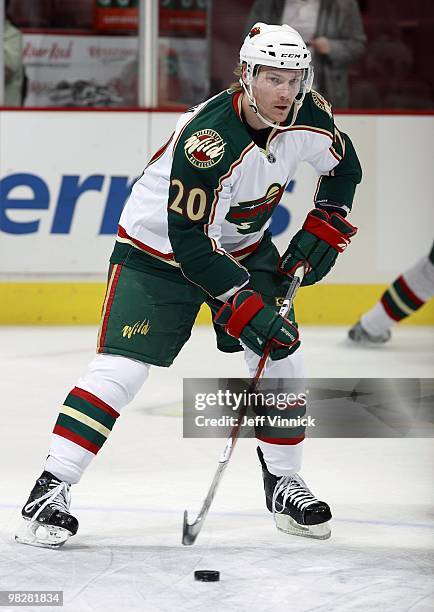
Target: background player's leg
(402,298)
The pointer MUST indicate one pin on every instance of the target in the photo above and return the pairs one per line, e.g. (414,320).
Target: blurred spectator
(13,62)
(334,32)
(388,76)
(388,56)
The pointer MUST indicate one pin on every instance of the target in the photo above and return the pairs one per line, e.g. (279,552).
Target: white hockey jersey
(207,196)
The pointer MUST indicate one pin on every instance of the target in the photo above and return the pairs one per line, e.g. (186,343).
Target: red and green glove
(318,243)
(245,316)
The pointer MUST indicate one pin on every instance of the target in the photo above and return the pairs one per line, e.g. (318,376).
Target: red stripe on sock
(95,401)
(282,441)
(108,307)
(409,292)
(389,311)
(73,437)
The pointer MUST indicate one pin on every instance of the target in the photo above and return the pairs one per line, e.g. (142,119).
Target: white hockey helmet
(278,46)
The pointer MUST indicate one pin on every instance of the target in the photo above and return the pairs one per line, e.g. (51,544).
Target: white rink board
(63,144)
(410,220)
(61,150)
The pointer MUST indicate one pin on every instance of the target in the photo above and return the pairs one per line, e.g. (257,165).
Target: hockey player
(194,230)
(402,298)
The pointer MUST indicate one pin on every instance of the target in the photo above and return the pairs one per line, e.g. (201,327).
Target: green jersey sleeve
(338,187)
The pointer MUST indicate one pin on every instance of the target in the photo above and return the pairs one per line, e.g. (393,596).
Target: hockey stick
(190,531)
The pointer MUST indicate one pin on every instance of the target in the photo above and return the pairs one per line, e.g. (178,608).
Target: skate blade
(288,525)
(44,536)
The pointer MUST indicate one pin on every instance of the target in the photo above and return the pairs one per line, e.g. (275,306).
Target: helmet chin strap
(252,103)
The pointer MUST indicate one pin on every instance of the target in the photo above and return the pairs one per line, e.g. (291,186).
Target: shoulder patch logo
(322,103)
(204,148)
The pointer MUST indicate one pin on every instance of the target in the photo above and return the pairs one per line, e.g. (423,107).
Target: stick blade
(189,534)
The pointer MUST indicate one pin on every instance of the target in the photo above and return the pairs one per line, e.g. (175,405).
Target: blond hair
(236,85)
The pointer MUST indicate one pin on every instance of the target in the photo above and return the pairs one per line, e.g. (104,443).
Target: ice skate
(295,509)
(359,334)
(47,520)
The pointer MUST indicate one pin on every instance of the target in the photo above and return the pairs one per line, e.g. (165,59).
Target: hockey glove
(245,316)
(318,243)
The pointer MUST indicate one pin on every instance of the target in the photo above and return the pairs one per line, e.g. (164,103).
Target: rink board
(61,196)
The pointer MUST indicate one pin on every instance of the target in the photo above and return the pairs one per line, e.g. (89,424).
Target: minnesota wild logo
(250,216)
(254,32)
(204,148)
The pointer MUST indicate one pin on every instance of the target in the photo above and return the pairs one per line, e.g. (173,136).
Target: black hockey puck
(207,575)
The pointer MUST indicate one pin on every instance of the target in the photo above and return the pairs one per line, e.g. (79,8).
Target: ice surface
(128,555)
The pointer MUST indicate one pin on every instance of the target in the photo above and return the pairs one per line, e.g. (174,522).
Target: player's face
(275,90)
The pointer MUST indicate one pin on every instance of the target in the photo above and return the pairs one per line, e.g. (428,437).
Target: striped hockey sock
(403,297)
(85,420)
(82,427)
(399,301)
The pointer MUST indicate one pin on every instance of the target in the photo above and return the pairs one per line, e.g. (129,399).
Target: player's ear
(244,73)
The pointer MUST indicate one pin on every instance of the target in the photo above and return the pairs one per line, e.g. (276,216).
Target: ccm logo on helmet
(290,55)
